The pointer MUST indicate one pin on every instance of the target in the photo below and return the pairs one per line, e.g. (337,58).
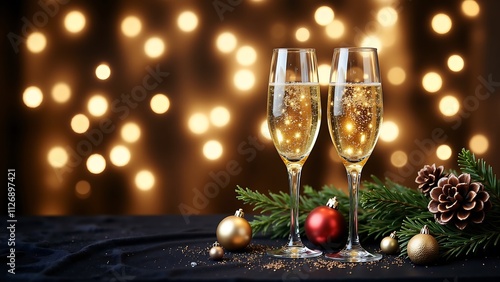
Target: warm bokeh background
(154,107)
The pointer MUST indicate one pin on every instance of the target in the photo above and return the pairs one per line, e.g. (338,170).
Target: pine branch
(453,243)
(312,198)
(479,171)
(276,208)
(387,205)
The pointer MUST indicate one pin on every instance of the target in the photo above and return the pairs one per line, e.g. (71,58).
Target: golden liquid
(293,116)
(354,119)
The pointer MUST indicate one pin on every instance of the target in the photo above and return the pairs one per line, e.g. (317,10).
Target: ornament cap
(216,244)
(393,235)
(424,230)
(239,213)
(333,203)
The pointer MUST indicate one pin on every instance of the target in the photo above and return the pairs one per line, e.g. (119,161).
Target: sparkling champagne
(354,119)
(294,115)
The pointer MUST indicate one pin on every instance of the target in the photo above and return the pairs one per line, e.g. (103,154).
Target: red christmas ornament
(326,227)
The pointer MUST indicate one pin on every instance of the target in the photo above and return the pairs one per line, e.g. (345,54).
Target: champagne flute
(354,113)
(293,117)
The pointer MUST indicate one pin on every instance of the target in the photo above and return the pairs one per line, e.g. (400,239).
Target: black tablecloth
(161,248)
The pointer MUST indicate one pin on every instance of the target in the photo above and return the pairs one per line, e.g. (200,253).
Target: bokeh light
(67,109)
(159,104)
(302,34)
(264,130)
(83,189)
(130,132)
(198,123)
(220,116)
(131,26)
(324,15)
(335,29)
(119,155)
(443,152)
(455,63)
(244,79)
(96,163)
(479,144)
(74,21)
(187,21)
(80,123)
(97,105)
(246,55)
(212,150)
(57,157)
(389,131)
(399,159)
(154,47)
(32,96)
(372,41)
(432,82)
(396,75)
(449,105)
(441,23)
(226,42)
(36,42)
(470,8)
(61,92)
(102,71)
(144,180)
(324,74)
(387,16)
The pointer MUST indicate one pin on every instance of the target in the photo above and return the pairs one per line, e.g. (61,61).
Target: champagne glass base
(354,255)
(294,252)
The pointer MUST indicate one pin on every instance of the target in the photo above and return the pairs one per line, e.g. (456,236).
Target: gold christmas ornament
(216,252)
(389,244)
(234,232)
(423,248)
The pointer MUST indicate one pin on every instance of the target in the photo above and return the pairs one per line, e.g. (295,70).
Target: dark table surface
(162,248)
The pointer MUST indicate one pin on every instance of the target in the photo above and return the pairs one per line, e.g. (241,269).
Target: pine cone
(428,177)
(458,201)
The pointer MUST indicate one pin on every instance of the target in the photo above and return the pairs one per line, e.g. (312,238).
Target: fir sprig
(386,206)
(452,242)
(479,171)
(275,208)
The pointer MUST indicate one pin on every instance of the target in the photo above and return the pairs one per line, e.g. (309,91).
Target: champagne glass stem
(294,171)
(295,248)
(353,178)
(353,251)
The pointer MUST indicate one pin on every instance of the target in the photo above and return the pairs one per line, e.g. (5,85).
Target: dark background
(201,77)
